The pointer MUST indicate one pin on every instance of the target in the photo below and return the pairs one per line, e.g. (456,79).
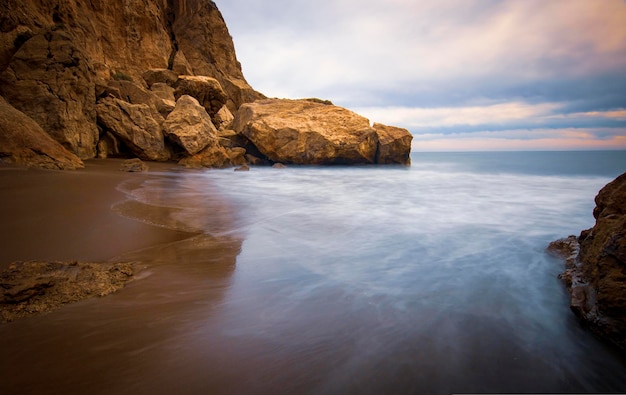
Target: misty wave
(437,270)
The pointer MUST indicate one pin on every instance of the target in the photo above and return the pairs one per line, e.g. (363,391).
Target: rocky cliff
(102,78)
(596,265)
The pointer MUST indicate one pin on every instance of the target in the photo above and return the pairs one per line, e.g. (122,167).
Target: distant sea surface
(429,279)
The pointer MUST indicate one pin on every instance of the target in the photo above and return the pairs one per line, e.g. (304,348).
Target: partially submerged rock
(35,287)
(596,266)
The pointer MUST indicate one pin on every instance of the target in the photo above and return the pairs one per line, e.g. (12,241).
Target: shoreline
(68,215)
(63,241)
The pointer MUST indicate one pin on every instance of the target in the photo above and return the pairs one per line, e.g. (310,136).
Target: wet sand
(125,342)
(66,215)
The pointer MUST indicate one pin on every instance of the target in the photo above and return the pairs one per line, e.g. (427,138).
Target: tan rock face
(23,142)
(394,145)
(50,79)
(306,132)
(54,53)
(596,277)
(163,91)
(194,21)
(134,93)
(159,75)
(190,126)
(206,90)
(223,119)
(213,155)
(138,126)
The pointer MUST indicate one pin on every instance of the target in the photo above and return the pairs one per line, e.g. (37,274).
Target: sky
(458,74)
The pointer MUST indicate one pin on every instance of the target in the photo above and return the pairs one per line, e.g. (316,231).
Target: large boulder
(394,145)
(23,142)
(138,126)
(206,90)
(50,79)
(596,266)
(307,132)
(190,126)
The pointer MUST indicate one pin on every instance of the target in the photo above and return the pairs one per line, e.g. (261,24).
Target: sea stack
(596,266)
(106,79)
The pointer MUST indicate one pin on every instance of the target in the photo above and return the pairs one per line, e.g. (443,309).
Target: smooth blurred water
(428,279)
(431,279)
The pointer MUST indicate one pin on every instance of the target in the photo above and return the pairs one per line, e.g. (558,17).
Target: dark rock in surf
(595,272)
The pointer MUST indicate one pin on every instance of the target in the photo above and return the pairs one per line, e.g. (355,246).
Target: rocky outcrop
(35,287)
(23,142)
(309,132)
(59,57)
(596,266)
(101,77)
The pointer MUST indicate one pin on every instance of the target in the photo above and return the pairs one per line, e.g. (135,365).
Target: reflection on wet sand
(119,344)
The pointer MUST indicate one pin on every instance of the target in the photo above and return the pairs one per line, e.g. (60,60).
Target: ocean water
(429,279)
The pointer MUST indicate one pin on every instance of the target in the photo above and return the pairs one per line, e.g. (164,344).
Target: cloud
(451,116)
(538,139)
(441,65)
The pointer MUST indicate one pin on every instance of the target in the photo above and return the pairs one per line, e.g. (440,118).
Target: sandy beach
(112,344)
(66,215)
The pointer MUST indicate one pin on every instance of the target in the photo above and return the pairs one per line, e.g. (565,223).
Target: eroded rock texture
(36,287)
(101,77)
(59,58)
(596,265)
(310,132)
(23,142)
